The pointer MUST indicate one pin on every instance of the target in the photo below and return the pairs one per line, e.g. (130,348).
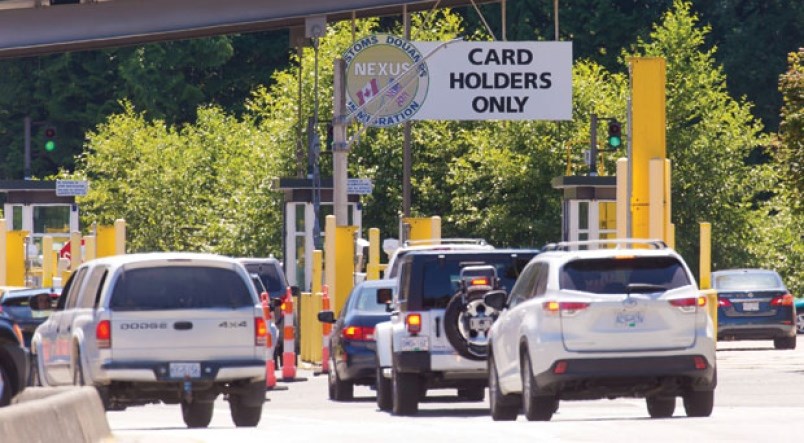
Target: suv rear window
(178,287)
(613,275)
(440,277)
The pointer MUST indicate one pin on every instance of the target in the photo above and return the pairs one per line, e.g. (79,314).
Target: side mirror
(496,299)
(40,302)
(326,317)
(295,291)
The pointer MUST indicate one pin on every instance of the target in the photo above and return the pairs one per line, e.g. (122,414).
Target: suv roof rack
(447,241)
(619,243)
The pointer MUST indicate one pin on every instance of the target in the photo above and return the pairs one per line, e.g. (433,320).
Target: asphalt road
(760,396)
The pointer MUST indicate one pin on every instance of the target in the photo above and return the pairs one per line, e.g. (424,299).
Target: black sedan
(16,304)
(352,346)
(14,360)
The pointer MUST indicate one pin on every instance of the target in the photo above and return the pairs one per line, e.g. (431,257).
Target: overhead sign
(71,188)
(359,186)
(384,84)
(498,81)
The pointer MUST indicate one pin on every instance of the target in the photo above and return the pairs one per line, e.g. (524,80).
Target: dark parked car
(754,304)
(14,360)
(352,346)
(16,303)
(800,315)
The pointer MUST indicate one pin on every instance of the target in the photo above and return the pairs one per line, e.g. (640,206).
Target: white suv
(626,320)
(170,327)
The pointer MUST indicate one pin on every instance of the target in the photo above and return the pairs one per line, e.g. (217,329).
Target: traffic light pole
(27,160)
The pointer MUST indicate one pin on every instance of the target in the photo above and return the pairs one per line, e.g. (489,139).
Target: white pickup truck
(159,327)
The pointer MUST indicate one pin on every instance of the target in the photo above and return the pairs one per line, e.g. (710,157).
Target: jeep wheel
(661,407)
(699,403)
(5,386)
(536,405)
(472,394)
(406,389)
(468,341)
(503,407)
(197,414)
(339,390)
(785,342)
(244,415)
(385,398)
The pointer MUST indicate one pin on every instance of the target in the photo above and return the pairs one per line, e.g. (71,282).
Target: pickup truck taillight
(103,334)
(260,332)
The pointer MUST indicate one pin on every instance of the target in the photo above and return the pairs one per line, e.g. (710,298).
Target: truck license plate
(182,370)
(415,344)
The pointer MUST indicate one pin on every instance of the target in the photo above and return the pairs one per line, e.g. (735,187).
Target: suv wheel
(661,407)
(537,406)
(503,407)
(406,388)
(197,414)
(339,390)
(785,342)
(699,403)
(244,415)
(385,398)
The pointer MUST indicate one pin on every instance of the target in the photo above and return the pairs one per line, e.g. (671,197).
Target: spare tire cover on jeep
(467,321)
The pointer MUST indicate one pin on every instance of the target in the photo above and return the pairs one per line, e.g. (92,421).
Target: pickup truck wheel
(503,407)
(339,390)
(537,406)
(661,407)
(385,398)
(406,389)
(197,414)
(244,415)
(699,403)
(5,386)
(78,370)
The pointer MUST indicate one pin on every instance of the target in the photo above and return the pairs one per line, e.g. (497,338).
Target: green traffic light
(50,146)
(615,142)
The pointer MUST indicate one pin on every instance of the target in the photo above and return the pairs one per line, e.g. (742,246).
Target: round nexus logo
(383,78)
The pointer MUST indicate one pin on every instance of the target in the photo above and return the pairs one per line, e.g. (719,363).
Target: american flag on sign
(395,91)
(369,90)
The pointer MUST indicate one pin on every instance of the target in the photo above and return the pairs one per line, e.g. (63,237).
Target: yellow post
(329,255)
(671,235)
(373,267)
(316,331)
(421,228)
(15,258)
(647,128)
(89,247)
(75,250)
(669,229)
(119,236)
(656,222)
(706,256)
(344,266)
(3,253)
(48,261)
(304,326)
(711,304)
(105,241)
(622,198)
(318,263)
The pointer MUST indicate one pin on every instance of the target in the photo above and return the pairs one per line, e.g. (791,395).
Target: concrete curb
(70,414)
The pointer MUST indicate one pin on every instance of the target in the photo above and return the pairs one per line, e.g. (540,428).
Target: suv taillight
(568,308)
(414,323)
(689,304)
(103,334)
(260,332)
(358,333)
(783,300)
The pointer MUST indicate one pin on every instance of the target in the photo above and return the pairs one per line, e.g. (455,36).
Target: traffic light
(615,134)
(50,139)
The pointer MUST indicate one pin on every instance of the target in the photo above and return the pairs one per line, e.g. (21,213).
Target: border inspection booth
(588,207)
(34,209)
(299,224)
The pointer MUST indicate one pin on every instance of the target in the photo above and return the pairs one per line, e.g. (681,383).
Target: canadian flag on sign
(369,90)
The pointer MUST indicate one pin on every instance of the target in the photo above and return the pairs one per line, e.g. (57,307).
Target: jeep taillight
(103,334)
(260,332)
(784,300)
(414,323)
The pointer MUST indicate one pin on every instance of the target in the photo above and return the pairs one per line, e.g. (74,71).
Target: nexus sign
(499,81)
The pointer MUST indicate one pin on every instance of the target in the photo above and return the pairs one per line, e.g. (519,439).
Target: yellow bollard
(15,258)
(318,263)
(344,265)
(105,241)
(48,261)
(316,331)
(705,270)
(304,308)
(711,303)
(329,256)
(373,267)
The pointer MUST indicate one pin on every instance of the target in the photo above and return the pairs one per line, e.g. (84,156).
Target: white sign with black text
(71,188)
(498,81)
(359,186)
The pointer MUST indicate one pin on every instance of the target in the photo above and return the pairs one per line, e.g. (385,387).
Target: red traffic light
(50,132)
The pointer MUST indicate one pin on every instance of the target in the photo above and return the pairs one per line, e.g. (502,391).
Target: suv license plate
(415,344)
(629,319)
(751,306)
(182,370)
